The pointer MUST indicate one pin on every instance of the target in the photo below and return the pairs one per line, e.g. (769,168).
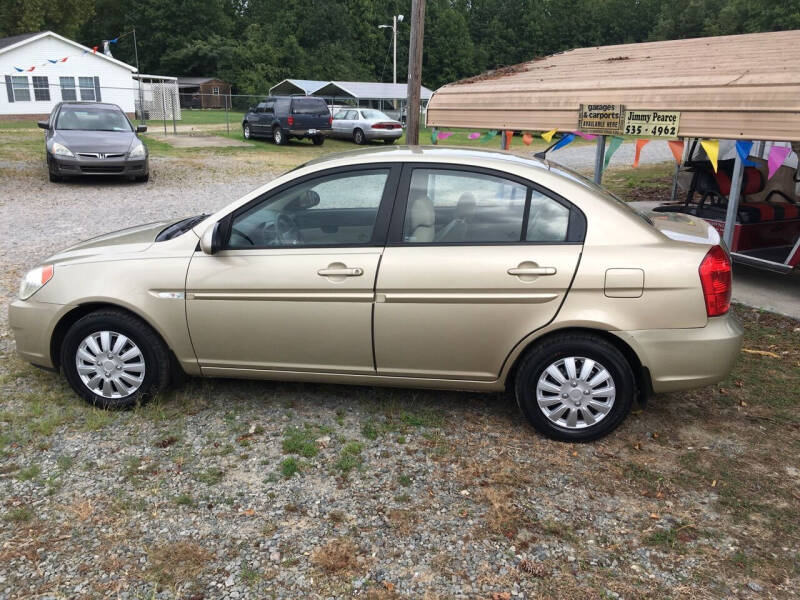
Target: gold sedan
(411,267)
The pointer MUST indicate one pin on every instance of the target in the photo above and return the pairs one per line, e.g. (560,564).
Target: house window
(22,92)
(41,89)
(215,91)
(87,88)
(68,89)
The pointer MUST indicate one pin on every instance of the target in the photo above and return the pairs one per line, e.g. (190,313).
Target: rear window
(309,106)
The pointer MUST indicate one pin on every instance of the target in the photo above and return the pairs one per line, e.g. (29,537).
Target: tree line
(253,44)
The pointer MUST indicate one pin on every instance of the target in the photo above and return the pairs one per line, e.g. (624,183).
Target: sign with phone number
(651,123)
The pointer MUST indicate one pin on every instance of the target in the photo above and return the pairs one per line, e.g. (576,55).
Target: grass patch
(18,515)
(404,480)
(29,473)
(98,419)
(184,500)
(369,431)
(211,476)
(302,440)
(335,556)
(289,467)
(176,563)
(349,457)
(645,182)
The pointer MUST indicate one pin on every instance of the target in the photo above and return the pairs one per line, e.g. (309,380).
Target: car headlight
(61,150)
(34,280)
(138,151)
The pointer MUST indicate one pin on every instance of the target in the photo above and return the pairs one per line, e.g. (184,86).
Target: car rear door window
(548,219)
(332,210)
(450,206)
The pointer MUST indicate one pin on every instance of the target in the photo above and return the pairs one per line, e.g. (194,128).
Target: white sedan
(365,124)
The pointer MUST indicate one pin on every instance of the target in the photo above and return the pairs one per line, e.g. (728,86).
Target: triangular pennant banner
(434,136)
(474,135)
(743,148)
(488,135)
(548,135)
(564,141)
(639,145)
(712,151)
(777,154)
(613,145)
(586,136)
(509,135)
(443,135)
(527,139)
(676,147)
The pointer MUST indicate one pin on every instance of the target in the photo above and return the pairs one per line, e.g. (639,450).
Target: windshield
(92,118)
(309,106)
(597,189)
(374,114)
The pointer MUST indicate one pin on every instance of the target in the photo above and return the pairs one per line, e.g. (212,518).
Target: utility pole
(414,71)
(139,78)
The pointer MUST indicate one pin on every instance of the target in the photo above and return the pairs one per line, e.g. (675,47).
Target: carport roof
(740,86)
(368,90)
(289,87)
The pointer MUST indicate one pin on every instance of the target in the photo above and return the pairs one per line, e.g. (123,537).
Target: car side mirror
(141,128)
(43,124)
(211,242)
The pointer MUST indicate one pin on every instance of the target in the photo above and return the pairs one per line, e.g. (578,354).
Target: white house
(39,70)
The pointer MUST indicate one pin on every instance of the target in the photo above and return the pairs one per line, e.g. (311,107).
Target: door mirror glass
(141,128)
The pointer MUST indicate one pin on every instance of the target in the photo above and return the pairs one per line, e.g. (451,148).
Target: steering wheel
(243,235)
(287,233)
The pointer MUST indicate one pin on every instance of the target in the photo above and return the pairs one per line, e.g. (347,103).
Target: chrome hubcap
(246,131)
(575,392)
(110,364)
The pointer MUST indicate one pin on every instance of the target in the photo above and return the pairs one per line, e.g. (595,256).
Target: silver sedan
(364,124)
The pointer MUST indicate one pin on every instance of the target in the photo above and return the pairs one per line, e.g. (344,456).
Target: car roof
(431,154)
(98,104)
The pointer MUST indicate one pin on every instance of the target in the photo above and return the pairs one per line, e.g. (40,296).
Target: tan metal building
(740,86)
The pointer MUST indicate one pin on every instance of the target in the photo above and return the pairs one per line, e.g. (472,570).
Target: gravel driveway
(232,489)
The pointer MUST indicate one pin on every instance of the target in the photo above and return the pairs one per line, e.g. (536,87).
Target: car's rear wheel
(278,136)
(114,360)
(389,141)
(575,387)
(359,137)
(318,140)
(246,131)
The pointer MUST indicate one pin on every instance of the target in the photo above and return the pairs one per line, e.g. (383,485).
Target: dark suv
(284,117)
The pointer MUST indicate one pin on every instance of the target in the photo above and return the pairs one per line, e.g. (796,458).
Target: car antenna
(542,154)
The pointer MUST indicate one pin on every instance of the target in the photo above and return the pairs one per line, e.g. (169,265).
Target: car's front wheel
(246,131)
(114,360)
(575,387)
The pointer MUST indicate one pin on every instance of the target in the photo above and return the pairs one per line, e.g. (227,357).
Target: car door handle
(341,272)
(535,271)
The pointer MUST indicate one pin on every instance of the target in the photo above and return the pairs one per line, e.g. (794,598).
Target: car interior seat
(456,230)
(421,218)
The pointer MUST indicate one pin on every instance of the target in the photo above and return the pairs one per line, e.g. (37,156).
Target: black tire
(559,347)
(143,178)
(359,137)
(154,352)
(53,177)
(318,140)
(389,142)
(279,137)
(246,132)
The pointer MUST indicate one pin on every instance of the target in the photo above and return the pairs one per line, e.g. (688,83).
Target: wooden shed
(732,87)
(204,92)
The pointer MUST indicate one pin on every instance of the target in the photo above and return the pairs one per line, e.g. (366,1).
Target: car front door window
(333,210)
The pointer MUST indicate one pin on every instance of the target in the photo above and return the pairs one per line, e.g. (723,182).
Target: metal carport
(728,87)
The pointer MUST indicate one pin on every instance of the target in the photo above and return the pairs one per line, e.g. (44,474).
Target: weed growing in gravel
(250,575)
(349,457)
(29,473)
(65,462)
(178,562)
(302,441)
(404,480)
(211,476)
(18,515)
(97,419)
(369,431)
(289,467)
(184,500)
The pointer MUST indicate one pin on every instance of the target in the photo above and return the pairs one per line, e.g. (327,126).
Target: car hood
(95,141)
(124,241)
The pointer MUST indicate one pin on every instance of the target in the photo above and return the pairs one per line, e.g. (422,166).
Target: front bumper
(62,165)
(680,359)
(384,134)
(33,324)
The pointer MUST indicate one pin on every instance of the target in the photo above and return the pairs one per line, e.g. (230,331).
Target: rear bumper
(33,324)
(384,134)
(86,166)
(307,132)
(680,359)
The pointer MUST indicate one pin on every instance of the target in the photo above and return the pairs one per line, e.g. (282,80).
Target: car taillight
(290,120)
(330,120)
(383,126)
(715,277)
